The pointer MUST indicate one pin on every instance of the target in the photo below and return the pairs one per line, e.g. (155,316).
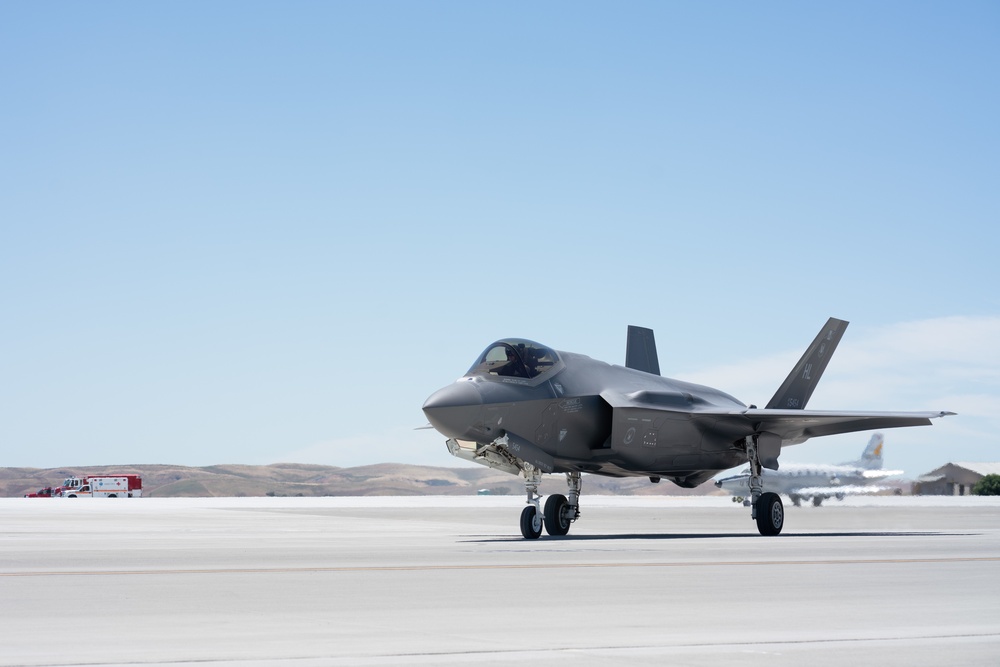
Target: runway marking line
(508,566)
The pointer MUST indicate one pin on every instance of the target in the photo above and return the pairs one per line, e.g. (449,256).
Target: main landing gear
(559,511)
(765,508)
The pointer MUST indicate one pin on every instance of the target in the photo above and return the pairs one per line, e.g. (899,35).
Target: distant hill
(298,479)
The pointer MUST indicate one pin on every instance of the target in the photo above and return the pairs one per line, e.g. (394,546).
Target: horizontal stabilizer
(795,391)
(640,351)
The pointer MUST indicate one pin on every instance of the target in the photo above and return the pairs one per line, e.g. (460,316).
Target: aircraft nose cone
(456,394)
(453,410)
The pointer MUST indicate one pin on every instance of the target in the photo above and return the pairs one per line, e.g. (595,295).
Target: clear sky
(252,232)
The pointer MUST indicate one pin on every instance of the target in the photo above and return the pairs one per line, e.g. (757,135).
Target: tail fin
(640,351)
(795,391)
(872,457)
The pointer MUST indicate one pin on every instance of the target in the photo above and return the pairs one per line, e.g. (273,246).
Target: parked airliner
(801,481)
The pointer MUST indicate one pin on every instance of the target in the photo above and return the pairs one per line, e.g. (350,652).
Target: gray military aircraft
(802,481)
(529,410)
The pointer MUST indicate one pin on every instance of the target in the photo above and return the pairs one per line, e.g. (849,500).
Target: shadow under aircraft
(529,410)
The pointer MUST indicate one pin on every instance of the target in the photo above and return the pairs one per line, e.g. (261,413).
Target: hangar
(954,479)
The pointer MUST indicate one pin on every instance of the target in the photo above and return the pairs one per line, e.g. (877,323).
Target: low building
(954,479)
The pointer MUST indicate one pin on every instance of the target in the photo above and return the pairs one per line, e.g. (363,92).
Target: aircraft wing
(881,474)
(797,426)
(849,490)
(792,425)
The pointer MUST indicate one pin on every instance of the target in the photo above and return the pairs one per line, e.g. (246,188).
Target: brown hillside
(295,479)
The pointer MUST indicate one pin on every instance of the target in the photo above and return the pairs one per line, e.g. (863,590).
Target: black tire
(531,523)
(111,495)
(770,514)
(557,515)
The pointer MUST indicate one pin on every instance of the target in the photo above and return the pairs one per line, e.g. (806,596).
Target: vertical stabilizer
(640,351)
(795,391)
(872,457)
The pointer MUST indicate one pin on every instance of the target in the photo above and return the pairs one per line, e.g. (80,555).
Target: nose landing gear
(559,512)
(531,523)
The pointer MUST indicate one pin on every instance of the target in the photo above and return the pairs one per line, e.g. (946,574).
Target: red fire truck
(101,486)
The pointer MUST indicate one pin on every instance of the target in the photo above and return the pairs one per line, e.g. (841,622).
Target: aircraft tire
(531,523)
(556,517)
(770,514)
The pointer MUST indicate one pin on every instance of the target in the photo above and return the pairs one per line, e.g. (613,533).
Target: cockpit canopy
(515,357)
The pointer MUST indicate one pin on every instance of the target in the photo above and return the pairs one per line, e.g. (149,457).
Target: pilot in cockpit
(513,367)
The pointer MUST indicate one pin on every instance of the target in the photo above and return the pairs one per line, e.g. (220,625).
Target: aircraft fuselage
(642,427)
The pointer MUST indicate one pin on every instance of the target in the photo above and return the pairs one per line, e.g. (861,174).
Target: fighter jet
(819,482)
(530,410)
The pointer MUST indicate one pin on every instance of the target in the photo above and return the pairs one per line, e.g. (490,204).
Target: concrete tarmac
(449,581)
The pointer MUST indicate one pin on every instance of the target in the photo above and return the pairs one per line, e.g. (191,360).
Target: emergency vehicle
(101,486)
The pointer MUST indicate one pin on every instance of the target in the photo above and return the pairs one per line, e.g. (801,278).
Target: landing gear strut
(531,516)
(559,512)
(765,508)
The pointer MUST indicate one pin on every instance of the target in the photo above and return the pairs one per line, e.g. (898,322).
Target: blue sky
(260,232)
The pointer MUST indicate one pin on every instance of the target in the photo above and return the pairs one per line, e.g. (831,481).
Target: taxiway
(449,581)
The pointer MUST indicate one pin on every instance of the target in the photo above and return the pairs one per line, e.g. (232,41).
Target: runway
(449,581)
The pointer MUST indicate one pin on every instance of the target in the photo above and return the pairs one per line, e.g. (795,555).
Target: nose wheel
(531,523)
(557,515)
(559,512)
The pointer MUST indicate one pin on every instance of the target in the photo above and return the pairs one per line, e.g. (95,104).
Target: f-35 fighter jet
(530,410)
